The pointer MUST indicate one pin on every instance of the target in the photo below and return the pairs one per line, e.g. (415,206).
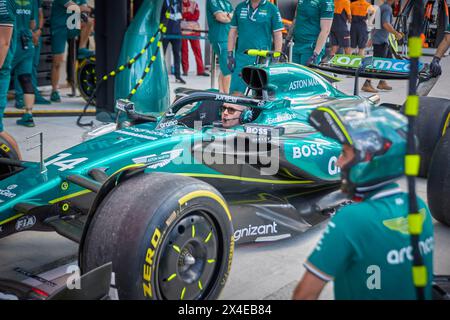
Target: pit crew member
(435,67)
(339,35)
(380,40)
(7,48)
(256,24)
(219,14)
(312,24)
(60,20)
(366,247)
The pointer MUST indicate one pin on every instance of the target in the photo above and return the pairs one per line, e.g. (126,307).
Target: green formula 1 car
(166,199)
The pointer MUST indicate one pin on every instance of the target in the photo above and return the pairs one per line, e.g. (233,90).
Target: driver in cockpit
(235,114)
(232,114)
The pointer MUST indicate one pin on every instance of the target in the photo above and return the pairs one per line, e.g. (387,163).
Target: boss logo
(25,222)
(307,151)
(257,130)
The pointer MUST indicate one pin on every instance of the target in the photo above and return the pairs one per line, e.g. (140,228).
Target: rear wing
(380,68)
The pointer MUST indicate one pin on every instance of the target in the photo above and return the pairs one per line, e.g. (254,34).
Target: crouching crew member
(366,247)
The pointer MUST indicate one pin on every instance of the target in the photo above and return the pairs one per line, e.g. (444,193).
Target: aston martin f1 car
(166,198)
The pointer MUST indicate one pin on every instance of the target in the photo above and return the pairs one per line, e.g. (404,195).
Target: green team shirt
(256,26)
(8,18)
(218,31)
(309,14)
(25,13)
(366,249)
(59,16)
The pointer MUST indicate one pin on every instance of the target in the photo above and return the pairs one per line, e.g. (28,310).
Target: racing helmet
(378,137)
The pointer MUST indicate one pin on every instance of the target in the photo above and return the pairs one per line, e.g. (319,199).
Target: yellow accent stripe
(211,261)
(415,223)
(137,165)
(200,286)
(208,237)
(171,277)
(72,195)
(176,248)
(420,276)
(182,293)
(447,123)
(415,47)
(338,121)
(193,231)
(11,219)
(208,194)
(222,176)
(412,106)
(412,164)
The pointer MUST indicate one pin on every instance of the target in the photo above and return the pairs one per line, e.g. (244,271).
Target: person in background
(256,24)
(171,13)
(380,42)
(435,67)
(7,48)
(219,14)
(339,35)
(312,25)
(37,42)
(191,14)
(22,64)
(359,35)
(61,29)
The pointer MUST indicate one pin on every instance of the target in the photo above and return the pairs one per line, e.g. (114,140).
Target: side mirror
(125,105)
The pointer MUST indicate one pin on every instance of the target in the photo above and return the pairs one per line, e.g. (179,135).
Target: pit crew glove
(312,59)
(435,67)
(231,61)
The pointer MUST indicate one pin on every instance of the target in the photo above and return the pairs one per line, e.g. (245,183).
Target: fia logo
(25,222)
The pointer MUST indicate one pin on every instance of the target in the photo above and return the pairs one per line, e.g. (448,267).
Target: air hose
(162,29)
(412,159)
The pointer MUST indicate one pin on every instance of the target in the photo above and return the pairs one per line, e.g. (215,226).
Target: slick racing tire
(168,237)
(87,78)
(438,185)
(7,151)
(433,120)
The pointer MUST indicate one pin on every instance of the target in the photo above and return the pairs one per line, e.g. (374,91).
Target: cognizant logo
(256,231)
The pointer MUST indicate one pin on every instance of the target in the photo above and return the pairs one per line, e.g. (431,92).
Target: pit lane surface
(268,271)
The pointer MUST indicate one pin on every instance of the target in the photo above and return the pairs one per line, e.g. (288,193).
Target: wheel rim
(87,79)
(189,261)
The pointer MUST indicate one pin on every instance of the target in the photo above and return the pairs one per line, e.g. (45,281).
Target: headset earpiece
(246,116)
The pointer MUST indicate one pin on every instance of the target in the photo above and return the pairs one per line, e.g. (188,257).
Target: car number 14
(63,163)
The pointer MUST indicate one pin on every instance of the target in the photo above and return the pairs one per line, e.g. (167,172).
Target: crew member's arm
(232,37)
(291,29)
(435,67)
(6,32)
(326,20)
(309,288)
(218,13)
(443,46)
(277,40)
(348,11)
(277,29)
(325,27)
(388,26)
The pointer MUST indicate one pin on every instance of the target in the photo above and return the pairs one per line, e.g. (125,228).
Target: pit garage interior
(262,271)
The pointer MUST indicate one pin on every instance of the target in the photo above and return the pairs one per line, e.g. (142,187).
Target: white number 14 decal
(65,164)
